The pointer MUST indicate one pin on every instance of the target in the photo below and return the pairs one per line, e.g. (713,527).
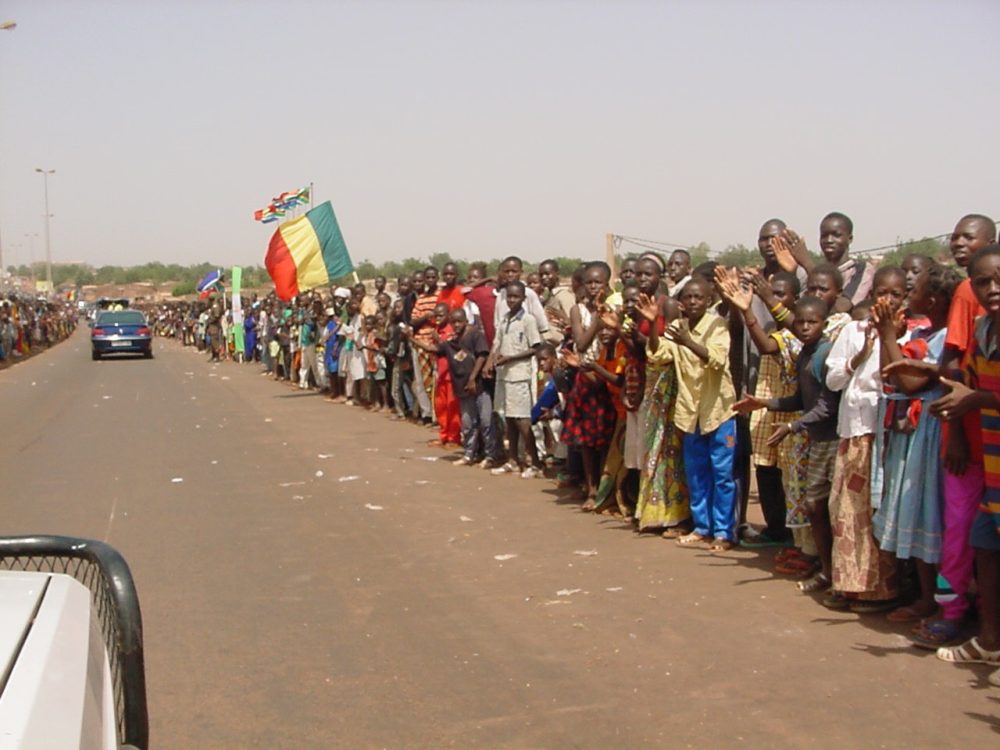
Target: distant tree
(184,289)
(439,259)
(413,264)
(699,253)
(932,247)
(367,270)
(739,255)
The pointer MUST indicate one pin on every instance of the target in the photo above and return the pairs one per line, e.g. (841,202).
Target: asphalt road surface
(314,576)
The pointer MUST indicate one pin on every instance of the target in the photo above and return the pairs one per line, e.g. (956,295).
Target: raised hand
(557,317)
(610,319)
(679,332)
(783,253)
(570,358)
(762,287)
(886,320)
(796,245)
(728,282)
(646,306)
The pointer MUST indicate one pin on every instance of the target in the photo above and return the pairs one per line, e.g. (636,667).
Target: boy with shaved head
(678,271)
(836,232)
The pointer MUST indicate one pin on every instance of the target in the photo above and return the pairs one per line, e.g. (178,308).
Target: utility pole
(610,250)
(48,243)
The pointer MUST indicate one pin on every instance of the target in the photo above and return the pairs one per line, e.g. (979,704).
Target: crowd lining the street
(29,324)
(864,400)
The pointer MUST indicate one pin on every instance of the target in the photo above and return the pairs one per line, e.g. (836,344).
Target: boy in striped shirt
(981,392)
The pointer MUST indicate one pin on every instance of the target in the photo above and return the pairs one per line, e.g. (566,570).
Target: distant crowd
(28,324)
(864,401)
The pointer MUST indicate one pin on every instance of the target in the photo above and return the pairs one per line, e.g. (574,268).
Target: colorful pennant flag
(208,291)
(284,202)
(211,279)
(307,252)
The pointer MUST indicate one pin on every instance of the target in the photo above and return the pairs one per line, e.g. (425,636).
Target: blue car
(121,332)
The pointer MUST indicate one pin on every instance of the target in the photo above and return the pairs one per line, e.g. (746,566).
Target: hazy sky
(488,128)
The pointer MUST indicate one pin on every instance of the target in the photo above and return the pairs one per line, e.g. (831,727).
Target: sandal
(835,600)
(801,567)
(933,635)
(908,614)
(872,606)
(969,652)
(819,582)
(694,539)
(674,532)
(720,545)
(761,541)
(788,553)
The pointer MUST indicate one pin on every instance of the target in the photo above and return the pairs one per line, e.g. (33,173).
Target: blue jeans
(477,424)
(708,463)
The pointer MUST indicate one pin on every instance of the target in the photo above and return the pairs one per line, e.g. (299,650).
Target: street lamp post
(4,26)
(48,243)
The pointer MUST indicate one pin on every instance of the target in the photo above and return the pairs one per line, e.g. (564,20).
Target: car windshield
(128,318)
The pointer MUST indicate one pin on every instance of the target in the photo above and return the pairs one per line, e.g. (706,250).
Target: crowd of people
(29,324)
(864,400)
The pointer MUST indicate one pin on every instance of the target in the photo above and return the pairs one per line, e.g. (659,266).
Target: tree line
(185,278)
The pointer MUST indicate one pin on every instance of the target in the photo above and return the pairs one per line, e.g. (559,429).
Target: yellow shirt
(705,394)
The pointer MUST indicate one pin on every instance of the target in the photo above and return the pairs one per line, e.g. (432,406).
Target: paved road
(284,608)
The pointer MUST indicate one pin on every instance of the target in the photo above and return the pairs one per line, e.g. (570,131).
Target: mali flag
(307,252)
